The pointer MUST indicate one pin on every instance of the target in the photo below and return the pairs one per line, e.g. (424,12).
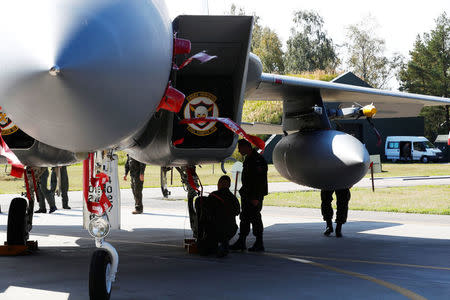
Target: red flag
(104,202)
(181,46)
(17,168)
(178,142)
(100,179)
(231,126)
(201,57)
(448,138)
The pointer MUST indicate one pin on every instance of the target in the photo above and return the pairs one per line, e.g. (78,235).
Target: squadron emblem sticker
(6,125)
(201,105)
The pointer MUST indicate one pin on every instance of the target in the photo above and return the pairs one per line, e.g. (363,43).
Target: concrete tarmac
(381,256)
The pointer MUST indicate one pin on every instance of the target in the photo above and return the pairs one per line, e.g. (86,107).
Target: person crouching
(218,219)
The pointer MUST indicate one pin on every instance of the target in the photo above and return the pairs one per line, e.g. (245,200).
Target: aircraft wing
(389,104)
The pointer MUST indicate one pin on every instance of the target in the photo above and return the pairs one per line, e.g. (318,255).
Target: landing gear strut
(97,191)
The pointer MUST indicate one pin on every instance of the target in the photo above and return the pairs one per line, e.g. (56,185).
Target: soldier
(44,193)
(136,170)
(342,199)
(64,184)
(254,188)
(222,207)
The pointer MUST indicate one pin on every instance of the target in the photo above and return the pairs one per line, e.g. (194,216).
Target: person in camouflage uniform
(41,175)
(136,170)
(64,184)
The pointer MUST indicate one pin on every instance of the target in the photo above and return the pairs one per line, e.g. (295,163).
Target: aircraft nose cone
(83,75)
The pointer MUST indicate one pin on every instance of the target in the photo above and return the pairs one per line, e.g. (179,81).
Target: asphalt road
(381,256)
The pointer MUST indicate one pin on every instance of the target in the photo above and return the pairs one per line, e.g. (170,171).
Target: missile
(83,75)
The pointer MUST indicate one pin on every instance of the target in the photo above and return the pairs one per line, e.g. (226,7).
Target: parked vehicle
(411,148)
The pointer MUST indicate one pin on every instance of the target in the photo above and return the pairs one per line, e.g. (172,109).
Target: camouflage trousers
(137,186)
(44,192)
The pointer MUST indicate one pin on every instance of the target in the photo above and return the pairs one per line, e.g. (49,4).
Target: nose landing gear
(98,170)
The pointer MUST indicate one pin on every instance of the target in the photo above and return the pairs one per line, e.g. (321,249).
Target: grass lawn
(420,199)
(415,199)
(209,174)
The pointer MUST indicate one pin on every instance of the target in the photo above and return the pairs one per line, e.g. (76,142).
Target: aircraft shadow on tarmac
(146,251)
(299,238)
(311,230)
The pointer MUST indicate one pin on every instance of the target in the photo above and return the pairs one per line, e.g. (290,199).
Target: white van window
(428,144)
(419,146)
(393,145)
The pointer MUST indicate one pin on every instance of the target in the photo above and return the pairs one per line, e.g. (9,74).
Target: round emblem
(201,105)
(6,125)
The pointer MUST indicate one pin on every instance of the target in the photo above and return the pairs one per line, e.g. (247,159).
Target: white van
(411,148)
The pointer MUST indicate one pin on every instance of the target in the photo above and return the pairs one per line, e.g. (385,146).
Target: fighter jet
(84,76)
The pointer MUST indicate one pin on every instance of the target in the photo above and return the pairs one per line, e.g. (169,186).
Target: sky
(399,21)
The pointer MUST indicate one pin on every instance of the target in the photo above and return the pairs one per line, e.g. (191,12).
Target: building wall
(413,126)
(362,130)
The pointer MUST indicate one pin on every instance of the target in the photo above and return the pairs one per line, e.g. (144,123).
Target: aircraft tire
(99,287)
(17,222)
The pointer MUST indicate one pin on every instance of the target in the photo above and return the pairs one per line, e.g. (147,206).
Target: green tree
(265,43)
(308,47)
(268,49)
(366,55)
(428,72)
(272,111)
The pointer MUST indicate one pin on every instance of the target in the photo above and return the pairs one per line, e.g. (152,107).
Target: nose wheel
(100,281)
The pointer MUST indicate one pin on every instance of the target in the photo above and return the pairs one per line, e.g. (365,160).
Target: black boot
(239,244)
(258,246)
(65,204)
(329,229)
(338,230)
